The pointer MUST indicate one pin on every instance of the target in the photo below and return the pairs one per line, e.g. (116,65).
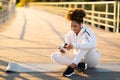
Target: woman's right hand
(69,46)
(61,50)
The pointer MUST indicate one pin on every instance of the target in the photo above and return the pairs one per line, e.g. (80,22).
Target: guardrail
(100,14)
(6,10)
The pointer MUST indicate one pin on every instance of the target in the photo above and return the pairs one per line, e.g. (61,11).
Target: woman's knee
(92,64)
(92,58)
(54,56)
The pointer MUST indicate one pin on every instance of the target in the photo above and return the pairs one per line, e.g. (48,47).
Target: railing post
(114,23)
(99,20)
(69,6)
(93,9)
(83,6)
(118,16)
(106,16)
(75,6)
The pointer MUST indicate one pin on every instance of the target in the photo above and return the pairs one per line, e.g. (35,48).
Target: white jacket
(84,40)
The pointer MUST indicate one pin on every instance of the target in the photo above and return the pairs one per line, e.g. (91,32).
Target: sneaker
(82,66)
(68,72)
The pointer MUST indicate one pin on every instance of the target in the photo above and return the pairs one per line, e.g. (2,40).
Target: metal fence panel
(104,14)
(6,10)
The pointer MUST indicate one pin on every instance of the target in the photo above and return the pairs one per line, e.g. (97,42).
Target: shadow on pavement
(92,74)
(22,76)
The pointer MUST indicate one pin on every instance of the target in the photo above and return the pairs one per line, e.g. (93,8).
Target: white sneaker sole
(69,74)
(85,66)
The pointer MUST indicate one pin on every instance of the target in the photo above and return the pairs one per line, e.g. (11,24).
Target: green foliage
(0,7)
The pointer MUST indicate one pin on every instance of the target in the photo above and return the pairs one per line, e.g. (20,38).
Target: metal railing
(6,9)
(100,14)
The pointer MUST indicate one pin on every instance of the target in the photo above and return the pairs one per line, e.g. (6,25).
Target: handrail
(56,3)
(109,20)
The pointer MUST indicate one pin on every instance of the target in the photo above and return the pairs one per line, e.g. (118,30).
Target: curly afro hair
(76,15)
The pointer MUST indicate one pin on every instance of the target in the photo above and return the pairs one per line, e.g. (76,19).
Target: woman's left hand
(69,46)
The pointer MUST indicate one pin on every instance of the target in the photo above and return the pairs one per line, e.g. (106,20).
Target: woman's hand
(62,50)
(69,46)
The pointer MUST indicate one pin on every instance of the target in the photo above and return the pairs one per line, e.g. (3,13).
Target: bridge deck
(33,34)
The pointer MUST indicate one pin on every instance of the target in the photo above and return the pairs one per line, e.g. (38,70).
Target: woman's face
(76,27)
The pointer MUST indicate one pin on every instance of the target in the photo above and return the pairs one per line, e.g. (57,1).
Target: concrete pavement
(32,34)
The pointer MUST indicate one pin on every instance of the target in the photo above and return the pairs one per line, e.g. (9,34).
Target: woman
(83,42)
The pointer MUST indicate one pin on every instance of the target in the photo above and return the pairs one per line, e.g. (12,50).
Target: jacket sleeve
(67,38)
(88,42)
